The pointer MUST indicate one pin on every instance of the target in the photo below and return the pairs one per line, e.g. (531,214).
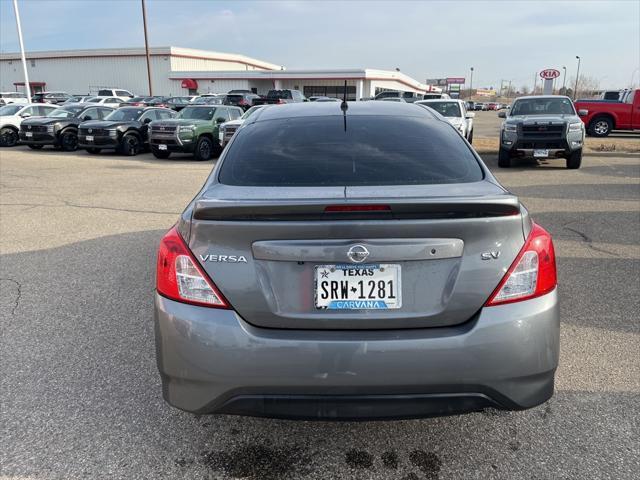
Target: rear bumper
(212,361)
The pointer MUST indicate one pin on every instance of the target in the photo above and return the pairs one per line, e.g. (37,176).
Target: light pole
(27,86)
(535,82)
(564,81)
(575,90)
(471,83)
(146,44)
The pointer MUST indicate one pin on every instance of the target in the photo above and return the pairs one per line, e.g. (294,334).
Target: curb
(612,154)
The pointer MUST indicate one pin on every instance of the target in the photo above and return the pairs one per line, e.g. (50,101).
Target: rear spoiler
(424,208)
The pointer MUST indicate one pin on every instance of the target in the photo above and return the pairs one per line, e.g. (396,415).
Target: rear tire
(130,145)
(574,160)
(69,141)
(8,137)
(93,150)
(600,127)
(504,158)
(204,149)
(35,147)
(160,153)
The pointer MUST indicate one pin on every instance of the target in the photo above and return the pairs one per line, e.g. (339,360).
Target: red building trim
(32,84)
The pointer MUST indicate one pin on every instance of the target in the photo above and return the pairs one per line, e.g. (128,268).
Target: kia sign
(549,74)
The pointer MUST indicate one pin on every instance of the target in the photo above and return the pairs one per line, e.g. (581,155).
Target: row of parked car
(201,129)
(487,106)
(129,130)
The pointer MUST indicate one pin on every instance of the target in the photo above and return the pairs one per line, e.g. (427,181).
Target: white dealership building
(179,71)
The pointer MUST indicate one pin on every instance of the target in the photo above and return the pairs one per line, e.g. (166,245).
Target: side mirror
(25,115)
(470,115)
(86,117)
(147,120)
(502,114)
(220,120)
(583,113)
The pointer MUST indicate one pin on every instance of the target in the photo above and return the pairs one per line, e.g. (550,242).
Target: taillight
(180,277)
(533,272)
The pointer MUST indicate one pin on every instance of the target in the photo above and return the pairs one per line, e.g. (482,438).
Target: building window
(33,62)
(335,91)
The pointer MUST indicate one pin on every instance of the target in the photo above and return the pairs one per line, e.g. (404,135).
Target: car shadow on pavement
(144,157)
(523,164)
(81,396)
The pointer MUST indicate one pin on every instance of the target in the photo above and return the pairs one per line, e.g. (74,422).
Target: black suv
(60,127)
(124,130)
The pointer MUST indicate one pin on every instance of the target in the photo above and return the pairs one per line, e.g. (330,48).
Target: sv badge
(492,255)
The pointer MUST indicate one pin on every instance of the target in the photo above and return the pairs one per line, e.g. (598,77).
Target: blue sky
(508,40)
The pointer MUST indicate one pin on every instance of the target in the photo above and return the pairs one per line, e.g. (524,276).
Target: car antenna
(344,107)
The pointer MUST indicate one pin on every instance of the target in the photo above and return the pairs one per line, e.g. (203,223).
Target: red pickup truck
(602,116)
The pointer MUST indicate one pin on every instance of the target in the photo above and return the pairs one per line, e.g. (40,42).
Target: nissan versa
(352,261)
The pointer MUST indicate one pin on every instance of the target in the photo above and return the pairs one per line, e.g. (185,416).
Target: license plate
(28,134)
(89,138)
(357,287)
(539,153)
(162,147)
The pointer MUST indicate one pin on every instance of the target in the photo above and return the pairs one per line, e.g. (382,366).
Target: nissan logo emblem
(358,253)
(90,130)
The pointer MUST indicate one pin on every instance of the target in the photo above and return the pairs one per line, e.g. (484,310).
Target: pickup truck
(275,97)
(600,117)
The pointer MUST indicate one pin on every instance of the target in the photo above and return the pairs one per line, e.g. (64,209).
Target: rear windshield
(317,151)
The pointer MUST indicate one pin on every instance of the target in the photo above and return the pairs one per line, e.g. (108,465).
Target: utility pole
(146,45)
(575,91)
(564,81)
(509,91)
(471,83)
(535,82)
(27,85)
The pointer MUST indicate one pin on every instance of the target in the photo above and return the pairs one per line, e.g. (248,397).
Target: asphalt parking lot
(80,396)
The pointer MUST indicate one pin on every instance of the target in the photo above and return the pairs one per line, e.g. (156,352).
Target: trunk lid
(435,233)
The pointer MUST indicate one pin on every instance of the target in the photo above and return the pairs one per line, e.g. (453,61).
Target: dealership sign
(455,80)
(440,82)
(549,74)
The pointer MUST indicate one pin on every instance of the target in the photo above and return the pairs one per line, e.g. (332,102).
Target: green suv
(195,130)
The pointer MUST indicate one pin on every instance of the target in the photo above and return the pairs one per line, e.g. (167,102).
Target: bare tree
(587,86)
(524,90)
